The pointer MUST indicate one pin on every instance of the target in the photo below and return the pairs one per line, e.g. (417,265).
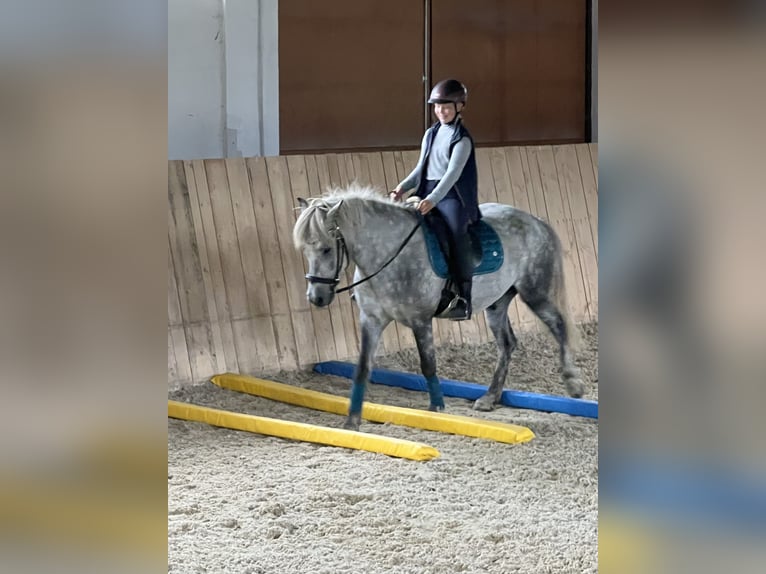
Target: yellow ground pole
(302,432)
(440,422)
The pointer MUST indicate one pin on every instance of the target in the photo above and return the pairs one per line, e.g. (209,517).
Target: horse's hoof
(352,423)
(484,404)
(575,388)
(436,408)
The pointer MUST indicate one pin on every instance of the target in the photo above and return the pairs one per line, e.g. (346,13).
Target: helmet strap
(457,116)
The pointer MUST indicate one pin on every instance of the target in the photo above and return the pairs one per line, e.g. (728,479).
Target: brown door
(351,71)
(350,74)
(523,62)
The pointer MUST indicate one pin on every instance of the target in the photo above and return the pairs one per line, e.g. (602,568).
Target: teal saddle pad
(491,250)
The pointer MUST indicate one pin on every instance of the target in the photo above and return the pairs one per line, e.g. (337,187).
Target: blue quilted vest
(467,185)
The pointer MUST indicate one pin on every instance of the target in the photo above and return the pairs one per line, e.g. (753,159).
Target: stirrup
(454,303)
(464,313)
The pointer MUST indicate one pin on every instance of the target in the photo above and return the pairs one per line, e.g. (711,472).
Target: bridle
(341,251)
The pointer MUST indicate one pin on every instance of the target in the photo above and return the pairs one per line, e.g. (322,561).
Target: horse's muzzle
(321,299)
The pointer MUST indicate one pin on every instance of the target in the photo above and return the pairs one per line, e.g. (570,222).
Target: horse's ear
(333,213)
(302,203)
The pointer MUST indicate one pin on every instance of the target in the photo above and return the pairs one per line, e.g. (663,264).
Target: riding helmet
(448,92)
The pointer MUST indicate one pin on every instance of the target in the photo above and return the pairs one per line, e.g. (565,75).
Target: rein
(341,251)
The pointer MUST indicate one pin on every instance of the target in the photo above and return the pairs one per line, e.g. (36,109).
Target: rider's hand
(425,206)
(396,194)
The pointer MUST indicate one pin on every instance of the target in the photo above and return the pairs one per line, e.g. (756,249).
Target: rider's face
(445,113)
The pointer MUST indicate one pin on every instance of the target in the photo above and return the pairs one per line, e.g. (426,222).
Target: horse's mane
(311,224)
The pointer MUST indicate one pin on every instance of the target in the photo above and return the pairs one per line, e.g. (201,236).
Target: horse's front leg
(371,329)
(425,340)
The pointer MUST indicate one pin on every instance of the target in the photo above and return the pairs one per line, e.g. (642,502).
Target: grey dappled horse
(359,226)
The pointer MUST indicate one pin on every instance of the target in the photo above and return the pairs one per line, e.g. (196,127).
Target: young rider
(445,180)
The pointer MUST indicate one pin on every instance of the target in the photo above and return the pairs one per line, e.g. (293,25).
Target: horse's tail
(559,296)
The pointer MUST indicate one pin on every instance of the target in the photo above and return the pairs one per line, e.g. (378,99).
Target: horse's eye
(326,251)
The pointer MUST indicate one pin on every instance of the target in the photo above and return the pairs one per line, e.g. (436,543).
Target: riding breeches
(451,211)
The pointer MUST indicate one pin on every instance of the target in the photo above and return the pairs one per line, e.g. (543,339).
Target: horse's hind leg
(425,340)
(497,319)
(553,318)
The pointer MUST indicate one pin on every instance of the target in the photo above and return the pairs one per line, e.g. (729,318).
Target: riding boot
(459,308)
(465,292)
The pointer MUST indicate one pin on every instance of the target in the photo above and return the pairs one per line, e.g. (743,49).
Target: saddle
(486,248)
(486,252)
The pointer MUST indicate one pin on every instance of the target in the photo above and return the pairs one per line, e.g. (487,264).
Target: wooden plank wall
(236,292)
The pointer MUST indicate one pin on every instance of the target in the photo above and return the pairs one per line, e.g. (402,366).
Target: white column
(252,80)
(196,102)
(270,80)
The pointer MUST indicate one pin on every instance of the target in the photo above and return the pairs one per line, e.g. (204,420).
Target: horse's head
(317,235)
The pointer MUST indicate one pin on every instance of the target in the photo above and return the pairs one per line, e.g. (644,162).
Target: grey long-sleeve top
(441,166)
